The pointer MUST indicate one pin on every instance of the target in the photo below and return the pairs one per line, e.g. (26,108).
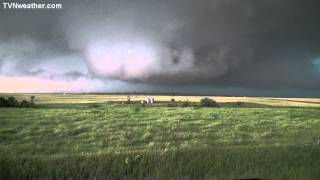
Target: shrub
(185,104)
(32,98)
(239,103)
(172,104)
(207,102)
(25,103)
(3,102)
(12,102)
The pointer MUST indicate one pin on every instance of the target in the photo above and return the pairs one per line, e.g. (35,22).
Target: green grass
(291,162)
(114,141)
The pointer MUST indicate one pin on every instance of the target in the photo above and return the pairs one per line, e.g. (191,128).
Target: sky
(218,47)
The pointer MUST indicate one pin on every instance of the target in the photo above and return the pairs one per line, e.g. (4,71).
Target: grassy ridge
(115,141)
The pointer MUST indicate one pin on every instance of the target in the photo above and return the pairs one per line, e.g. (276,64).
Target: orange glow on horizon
(34,85)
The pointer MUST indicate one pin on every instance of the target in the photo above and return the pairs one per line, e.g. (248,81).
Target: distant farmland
(102,137)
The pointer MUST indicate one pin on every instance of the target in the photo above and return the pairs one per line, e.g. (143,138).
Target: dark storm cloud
(222,43)
(76,75)
(242,43)
(25,56)
(30,40)
(193,40)
(0,65)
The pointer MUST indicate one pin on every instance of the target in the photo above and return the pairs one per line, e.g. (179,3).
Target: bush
(12,102)
(172,104)
(25,103)
(207,102)
(32,98)
(185,104)
(3,102)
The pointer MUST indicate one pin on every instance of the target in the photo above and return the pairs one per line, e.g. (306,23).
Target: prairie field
(87,136)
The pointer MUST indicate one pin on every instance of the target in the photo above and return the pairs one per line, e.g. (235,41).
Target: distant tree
(172,104)
(12,102)
(185,104)
(207,102)
(32,98)
(25,103)
(239,103)
(3,102)
(128,99)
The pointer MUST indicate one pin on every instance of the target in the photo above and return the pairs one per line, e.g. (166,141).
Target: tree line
(13,102)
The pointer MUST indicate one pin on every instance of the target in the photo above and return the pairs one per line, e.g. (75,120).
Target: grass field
(97,137)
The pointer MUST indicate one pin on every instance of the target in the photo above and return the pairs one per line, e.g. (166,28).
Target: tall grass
(114,141)
(287,162)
